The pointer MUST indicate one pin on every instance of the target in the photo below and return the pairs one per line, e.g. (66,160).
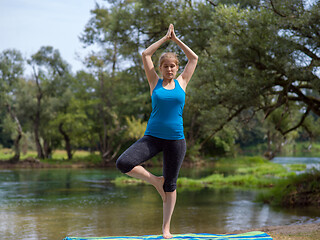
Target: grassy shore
(58,155)
(282,186)
(295,191)
(59,158)
(286,189)
(245,172)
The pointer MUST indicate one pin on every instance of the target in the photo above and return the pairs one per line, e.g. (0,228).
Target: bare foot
(167,234)
(159,186)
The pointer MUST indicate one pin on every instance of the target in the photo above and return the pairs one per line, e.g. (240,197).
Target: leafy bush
(299,190)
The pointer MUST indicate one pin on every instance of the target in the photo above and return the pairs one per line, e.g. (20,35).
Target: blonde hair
(168,55)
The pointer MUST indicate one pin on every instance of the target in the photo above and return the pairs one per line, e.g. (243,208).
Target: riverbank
(35,163)
(242,172)
(290,232)
(285,187)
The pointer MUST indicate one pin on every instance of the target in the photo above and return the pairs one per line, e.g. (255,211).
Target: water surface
(54,203)
(310,162)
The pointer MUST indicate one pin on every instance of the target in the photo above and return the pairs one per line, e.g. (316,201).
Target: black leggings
(146,148)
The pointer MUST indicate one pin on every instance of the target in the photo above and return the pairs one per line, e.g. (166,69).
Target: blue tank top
(166,120)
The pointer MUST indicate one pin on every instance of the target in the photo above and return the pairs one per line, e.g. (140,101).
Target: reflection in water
(52,204)
(310,162)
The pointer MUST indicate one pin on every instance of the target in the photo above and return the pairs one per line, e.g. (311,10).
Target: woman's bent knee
(123,164)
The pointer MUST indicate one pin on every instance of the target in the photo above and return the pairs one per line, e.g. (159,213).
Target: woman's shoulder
(182,84)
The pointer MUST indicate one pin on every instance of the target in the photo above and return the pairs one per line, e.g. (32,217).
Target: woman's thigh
(139,152)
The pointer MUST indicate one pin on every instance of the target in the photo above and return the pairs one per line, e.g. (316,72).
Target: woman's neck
(168,81)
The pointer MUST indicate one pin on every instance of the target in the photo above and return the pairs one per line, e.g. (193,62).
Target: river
(55,203)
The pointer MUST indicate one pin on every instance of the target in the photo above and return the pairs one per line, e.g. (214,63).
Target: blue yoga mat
(191,236)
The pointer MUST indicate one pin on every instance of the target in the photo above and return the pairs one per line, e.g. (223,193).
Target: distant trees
(257,80)
(50,81)
(11,69)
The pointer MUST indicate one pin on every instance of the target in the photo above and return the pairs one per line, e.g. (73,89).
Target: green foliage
(60,159)
(8,126)
(250,65)
(247,161)
(247,180)
(11,69)
(41,98)
(297,167)
(5,137)
(189,183)
(135,128)
(124,181)
(262,170)
(257,79)
(193,153)
(91,159)
(300,190)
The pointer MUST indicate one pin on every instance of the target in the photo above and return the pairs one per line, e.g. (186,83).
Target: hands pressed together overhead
(171,34)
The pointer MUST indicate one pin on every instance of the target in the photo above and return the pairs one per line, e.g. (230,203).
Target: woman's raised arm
(151,73)
(188,71)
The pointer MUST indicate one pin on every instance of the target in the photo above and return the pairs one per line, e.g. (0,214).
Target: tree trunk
(114,59)
(37,140)
(269,154)
(16,157)
(103,146)
(67,141)
(47,149)
(36,121)
(36,125)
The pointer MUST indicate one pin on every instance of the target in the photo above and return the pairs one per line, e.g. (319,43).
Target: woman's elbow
(194,58)
(144,54)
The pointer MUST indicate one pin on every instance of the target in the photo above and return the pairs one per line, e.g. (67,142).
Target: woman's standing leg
(168,207)
(173,155)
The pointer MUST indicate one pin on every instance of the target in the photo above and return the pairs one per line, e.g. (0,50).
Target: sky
(26,25)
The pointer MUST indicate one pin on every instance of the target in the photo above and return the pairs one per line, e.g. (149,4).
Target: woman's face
(169,68)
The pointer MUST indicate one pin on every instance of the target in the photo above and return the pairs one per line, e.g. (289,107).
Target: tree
(258,60)
(11,70)
(124,30)
(50,76)
(252,60)
(107,105)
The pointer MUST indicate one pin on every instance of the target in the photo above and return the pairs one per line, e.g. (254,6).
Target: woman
(165,127)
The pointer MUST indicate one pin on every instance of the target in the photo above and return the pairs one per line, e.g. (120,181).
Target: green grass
(6,154)
(58,157)
(124,181)
(249,172)
(297,167)
(298,190)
